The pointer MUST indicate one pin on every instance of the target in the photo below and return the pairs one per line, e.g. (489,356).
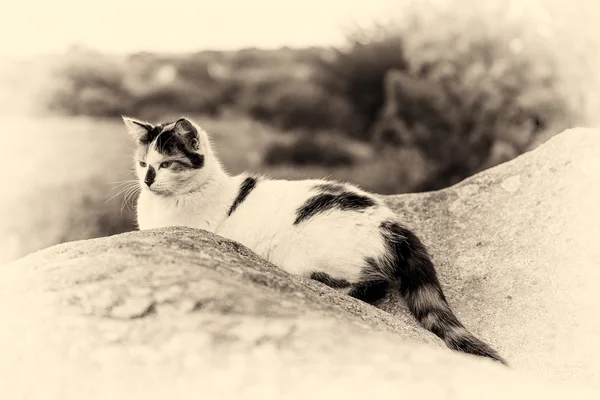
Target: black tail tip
(496,357)
(472,345)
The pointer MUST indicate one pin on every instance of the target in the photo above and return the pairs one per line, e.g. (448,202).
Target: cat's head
(170,158)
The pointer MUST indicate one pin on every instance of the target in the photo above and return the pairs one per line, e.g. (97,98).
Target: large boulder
(517,250)
(181,313)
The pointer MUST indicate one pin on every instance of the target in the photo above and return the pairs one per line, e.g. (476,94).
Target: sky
(48,26)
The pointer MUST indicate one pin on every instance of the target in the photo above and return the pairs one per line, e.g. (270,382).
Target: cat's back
(266,204)
(275,204)
(297,224)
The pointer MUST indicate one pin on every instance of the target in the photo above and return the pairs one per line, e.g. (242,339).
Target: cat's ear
(136,129)
(188,131)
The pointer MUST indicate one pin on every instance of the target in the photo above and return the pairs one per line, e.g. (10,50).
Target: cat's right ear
(136,129)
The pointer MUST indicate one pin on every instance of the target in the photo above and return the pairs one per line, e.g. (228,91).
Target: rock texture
(180,313)
(517,250)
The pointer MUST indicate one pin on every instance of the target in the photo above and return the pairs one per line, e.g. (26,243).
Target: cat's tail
(420,287)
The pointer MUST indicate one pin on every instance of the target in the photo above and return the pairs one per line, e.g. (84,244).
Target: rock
(517,250)
(181,313)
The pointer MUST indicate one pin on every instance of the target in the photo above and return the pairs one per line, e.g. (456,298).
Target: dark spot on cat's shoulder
(245,188)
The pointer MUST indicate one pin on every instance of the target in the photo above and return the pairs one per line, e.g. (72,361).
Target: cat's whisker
(121,182)
(129,196)
(122,188)
(134,196)
(134,193)
(121,191)
(123,185)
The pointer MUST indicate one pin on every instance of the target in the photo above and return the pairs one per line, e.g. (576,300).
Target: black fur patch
(180,165)
(472,345)
(170,143)
(329,281)
(245,188)
(370,291)
(413,266)
(442,319)
(153,132)
(345,201)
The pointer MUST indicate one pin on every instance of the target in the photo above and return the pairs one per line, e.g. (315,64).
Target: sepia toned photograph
(300,200)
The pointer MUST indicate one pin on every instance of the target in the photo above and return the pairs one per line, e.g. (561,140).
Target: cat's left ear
(136,129)
(188,131)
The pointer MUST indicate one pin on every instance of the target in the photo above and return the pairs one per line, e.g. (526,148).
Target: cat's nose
(150,175)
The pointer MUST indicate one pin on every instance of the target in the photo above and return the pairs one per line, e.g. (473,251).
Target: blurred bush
(355,75)
(466,84)
(143,85)
(327,151)
(90,84)
(295,104)
(459,81)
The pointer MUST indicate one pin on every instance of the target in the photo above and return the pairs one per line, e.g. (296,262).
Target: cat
(329,231)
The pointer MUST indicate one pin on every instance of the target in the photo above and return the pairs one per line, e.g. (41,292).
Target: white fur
(335,242)
(134,127)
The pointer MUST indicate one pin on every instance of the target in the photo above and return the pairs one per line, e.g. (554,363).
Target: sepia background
(395,96)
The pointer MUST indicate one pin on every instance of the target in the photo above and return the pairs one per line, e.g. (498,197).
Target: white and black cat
(329,231)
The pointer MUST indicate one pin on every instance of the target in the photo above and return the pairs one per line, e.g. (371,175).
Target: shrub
(181,98)
(89,84)
(356,76)
(490,80)
(295,104)
(309,150)
(96,85)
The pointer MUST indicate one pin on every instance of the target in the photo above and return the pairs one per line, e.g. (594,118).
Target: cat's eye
(142,164)
(166,164)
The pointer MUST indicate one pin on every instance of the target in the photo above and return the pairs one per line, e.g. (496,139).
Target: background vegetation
(480,82)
